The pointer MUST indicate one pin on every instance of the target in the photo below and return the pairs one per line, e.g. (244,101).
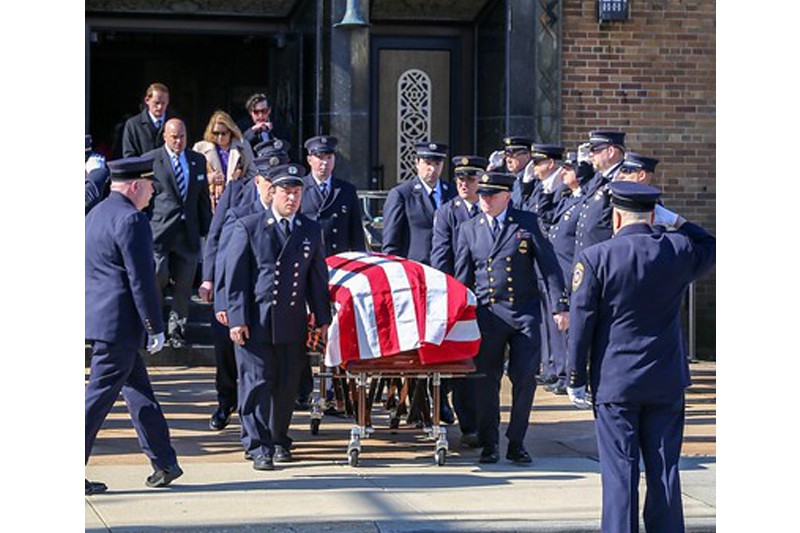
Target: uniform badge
(323,140)
(465,161)
(577,276)
(201,177)
(270,221)
(523,247)
(293,170)
(417,186)
(278,144)
(432,146)
(344,209)
(273,161)
(485,178)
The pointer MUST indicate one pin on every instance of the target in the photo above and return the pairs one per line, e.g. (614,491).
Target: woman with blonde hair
(228,157)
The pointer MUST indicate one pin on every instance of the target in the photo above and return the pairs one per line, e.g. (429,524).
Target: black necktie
(287,228)
(473,210)
(433,199)
(323,189)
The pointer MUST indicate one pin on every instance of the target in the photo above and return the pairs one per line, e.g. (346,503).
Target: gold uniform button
(508,259)
(491,280)
(510,279)
(491,300)
(511,299)
(335,230)
(508,269)
(274,302)
(488,269)
(511,289)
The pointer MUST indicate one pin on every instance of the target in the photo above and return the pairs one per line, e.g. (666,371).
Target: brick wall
(654,77)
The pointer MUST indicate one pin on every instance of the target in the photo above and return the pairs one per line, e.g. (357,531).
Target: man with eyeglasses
(446,222)
(262,128)
(144,132)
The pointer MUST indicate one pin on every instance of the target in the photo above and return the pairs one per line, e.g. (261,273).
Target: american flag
(386,305)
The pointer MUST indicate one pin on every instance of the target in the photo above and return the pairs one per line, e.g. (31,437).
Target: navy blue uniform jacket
(445,234)
(168,212)
(122,301)
(269,284)
(625,312)
(339,214)
(408,220)
(503,271)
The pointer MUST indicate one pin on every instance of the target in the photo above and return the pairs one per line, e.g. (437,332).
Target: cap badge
(323,140)
(293,170)
(278,144)
(465,161)
(432,146)
(485,178)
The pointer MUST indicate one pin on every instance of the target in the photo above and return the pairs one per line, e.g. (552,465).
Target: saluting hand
(239,334)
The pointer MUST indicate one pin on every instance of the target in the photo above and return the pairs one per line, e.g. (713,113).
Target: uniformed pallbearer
(625,316)
(123,314)
(497,254)
(275,267)
(466,169)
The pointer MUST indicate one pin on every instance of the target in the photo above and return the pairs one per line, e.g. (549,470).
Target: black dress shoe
(263,462)
(220,419)
(302,404)
(95,487)
(546,380)
(489,455)
(469,440)
(446,414)
(518,454)
(164,476)
(248,456)
(282,455)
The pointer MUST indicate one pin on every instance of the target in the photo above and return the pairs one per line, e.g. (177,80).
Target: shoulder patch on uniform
(577,276)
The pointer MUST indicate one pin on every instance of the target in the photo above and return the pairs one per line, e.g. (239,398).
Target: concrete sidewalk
(397,486)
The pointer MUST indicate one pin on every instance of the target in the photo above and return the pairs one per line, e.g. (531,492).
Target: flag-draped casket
(386,305)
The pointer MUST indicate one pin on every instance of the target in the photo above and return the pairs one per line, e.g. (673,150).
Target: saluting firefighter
(448,218)
(625,309)
(498,253)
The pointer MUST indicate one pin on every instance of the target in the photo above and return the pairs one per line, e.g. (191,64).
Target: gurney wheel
(315,426)
(352,457)
(441,457)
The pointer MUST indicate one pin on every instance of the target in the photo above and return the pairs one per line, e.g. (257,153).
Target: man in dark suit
(410,206)
(466,169)
(262,127)
(145,131)
(626,301)
(238,198)
(275,268)
(498,253)
(180,214)
(123,315)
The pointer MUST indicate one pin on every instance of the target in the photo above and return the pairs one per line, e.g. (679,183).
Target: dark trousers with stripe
(268,378)
(523,363)
(116,369)
(654,432)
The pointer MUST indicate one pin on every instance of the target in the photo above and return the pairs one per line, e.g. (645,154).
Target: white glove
(496,160)
(578,397)
(528,175)
(155,343)
(95,161)
(664,217)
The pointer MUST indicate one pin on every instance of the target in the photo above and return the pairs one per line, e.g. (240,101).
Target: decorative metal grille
(413,119)
(548,71)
